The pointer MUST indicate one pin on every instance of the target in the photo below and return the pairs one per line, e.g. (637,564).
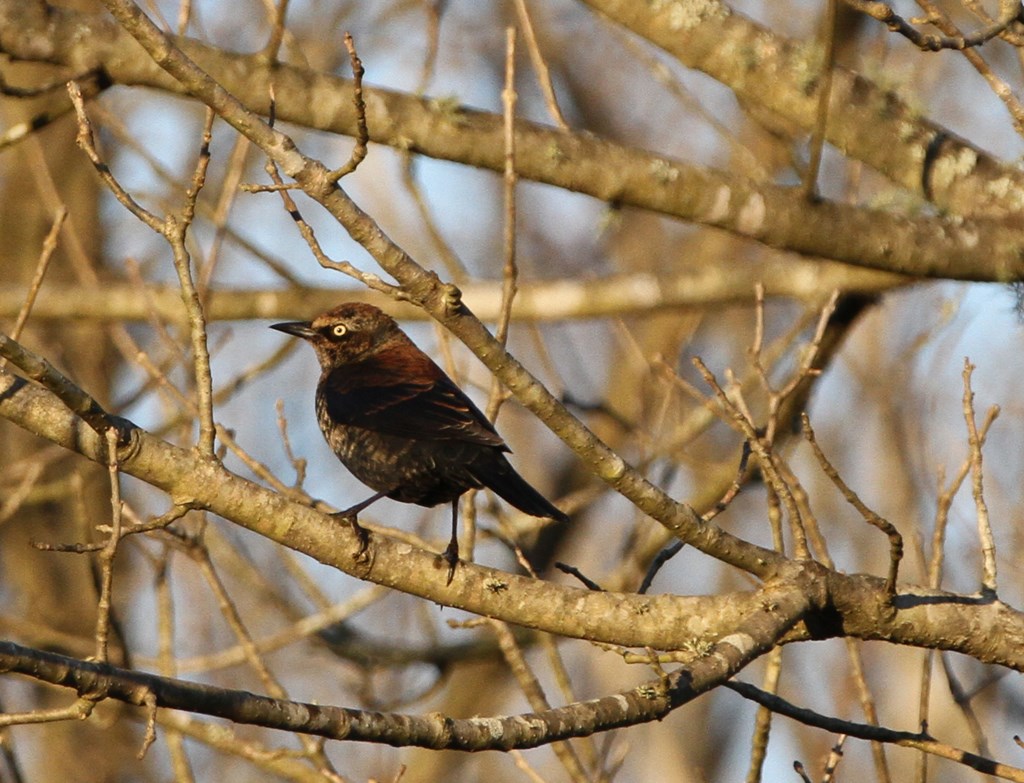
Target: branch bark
(973,249)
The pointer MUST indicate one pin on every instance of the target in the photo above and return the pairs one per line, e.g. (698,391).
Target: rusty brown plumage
(400,424)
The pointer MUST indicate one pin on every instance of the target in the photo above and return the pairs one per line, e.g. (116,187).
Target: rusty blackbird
(400,424)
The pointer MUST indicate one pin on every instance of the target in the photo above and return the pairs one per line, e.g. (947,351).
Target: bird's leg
(451,552)
(350,515)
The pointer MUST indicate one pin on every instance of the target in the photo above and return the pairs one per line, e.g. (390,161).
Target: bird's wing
(429,407)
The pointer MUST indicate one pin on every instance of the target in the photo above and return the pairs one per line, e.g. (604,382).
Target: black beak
(296,329)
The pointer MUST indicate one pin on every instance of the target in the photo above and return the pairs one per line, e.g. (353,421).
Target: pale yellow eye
(339,330)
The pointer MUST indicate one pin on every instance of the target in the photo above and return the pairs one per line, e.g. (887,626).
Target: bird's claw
(451,557)
(362,534)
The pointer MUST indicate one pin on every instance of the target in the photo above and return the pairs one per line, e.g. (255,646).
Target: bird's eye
(339,330)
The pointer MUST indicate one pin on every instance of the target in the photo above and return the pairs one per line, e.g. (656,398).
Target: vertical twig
(834,757)
(735,410)
(270,51)
(867,704)
(824,96)
(362,131)
(229,611)
(221,210)
(108,552)
(453,265)
(534,693)
(434,9)
(763,721)
(184,16)
(165,636)
(510,271)
(853,651)
(175,229)
(510,178)
(988,544)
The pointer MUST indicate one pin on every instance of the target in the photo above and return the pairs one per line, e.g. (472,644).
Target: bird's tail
(502,478)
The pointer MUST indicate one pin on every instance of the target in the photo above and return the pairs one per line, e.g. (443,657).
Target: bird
(400,425)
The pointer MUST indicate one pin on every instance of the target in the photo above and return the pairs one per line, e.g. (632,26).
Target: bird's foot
(362,534)
(451,557)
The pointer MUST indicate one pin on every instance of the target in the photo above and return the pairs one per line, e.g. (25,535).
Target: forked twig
(761,446)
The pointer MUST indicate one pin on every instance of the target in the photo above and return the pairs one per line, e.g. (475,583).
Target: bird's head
(350,332)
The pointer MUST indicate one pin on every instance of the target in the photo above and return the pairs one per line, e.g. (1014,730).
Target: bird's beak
(296,328)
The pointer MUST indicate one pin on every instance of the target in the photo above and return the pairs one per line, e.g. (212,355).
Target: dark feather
(495,473)
(402,426)
(420,408)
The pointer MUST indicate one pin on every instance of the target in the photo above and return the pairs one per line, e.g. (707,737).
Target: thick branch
(444,303)
(771,615)
(550,300)
(776,216)
(782,76)
(661,622)
(852,605)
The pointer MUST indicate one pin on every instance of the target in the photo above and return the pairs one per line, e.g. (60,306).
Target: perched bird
(400,424)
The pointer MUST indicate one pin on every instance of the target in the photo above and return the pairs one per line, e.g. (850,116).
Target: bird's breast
(405,469)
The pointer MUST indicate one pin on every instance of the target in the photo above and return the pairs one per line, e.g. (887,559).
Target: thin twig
(45,255)
(853,649)
(763,720)
(80,710)
(510,179)
(109,551)
(851,497)
(988,544)
(175,230)
(362,134)
(277,29)
(303,628)
(229,192)
(1009,11)
(761,446)
(510,271)
(835,755)
(572,570)
(907,739)
(453,265)
(234,620)
(368,279)
(962,699)
(86,141)
(539,66)
(531,688)
(165,660)
(434,9)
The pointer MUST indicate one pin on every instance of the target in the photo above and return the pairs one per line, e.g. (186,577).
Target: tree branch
(854,605)
(772,614)
(775,216)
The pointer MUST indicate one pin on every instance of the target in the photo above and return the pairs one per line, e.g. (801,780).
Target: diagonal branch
(961,178)
(444,303)
(773,614)
(907,739)
(853,605)
(661,622)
